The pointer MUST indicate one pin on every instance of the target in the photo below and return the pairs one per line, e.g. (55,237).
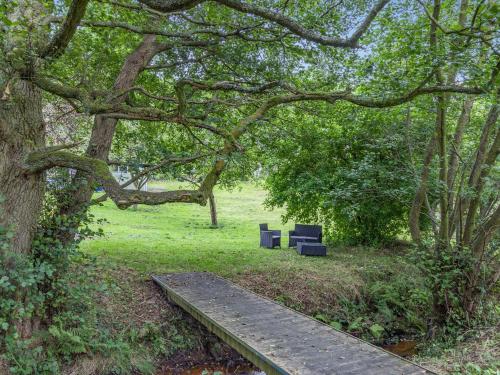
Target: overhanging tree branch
(361,100)
(145,30)
(39,161)
(212,177)
(232,86)
(276,17)
(151,169)
(169,6)
(123,111)
(93,106)
(61,39)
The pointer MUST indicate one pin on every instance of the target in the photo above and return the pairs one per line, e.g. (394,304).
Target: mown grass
(178,237)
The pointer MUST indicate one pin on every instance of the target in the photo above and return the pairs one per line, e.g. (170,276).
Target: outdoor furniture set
(306,238)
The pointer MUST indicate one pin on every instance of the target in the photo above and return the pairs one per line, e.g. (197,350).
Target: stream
(403,349)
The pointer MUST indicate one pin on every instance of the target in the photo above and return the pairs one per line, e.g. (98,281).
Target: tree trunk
(213,210)
(443,173)
(442,242)
(104,127)
(463,121)
(415,211)
(99,147)
(480,169)
(22,130)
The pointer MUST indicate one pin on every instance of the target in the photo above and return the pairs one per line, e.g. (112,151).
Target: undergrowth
(91,327)
(59,307)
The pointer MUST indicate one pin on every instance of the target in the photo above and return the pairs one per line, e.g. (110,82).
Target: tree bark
(415,211)
(482,163)
(38,161)
(213,210)
(104,127)
(454,156)
(21,132)
(443,174)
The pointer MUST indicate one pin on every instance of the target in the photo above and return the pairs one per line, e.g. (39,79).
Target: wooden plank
(275,338)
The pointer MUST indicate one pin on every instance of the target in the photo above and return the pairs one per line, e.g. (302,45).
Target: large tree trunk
(21,131)
(104,127)
(99,147)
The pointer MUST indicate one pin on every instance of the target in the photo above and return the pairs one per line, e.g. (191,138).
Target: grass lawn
(178,237)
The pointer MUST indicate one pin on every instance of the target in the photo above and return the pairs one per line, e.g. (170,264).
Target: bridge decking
(277,339)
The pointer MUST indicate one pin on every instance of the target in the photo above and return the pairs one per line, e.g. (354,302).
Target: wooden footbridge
(275,338)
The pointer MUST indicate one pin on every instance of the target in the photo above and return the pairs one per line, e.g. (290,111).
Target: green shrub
(391,305)
(55,288)
(353,174)
(444,273)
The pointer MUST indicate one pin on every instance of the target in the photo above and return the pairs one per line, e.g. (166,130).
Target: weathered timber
(273,337)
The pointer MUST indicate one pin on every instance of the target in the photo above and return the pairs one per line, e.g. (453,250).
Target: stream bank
(174,343)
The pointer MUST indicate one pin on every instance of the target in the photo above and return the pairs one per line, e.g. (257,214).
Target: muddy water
(402,348)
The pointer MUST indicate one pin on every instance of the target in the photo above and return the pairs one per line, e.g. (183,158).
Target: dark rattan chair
(305,233)
(269,238)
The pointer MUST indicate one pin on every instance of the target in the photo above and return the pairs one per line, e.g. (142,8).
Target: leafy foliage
(217,76)
(388,308)
(59,289)
(444,275)
(352,173)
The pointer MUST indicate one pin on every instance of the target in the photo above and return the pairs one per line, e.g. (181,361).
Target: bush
(356,180)
(390,306)
(445,274)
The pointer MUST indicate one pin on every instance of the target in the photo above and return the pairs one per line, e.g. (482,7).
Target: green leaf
(321,318)
(377,330)
(336,325)
(356,324)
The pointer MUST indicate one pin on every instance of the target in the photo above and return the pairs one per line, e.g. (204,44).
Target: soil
(301,292)
(135,301)
(145,301)
(3,368)
(191,363)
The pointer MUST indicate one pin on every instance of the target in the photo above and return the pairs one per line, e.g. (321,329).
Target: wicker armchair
(305,233)
(269,238)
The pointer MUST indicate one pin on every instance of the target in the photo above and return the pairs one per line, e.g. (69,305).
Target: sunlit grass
(178,237)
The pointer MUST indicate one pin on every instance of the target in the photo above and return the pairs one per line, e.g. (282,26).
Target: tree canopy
(359,110)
